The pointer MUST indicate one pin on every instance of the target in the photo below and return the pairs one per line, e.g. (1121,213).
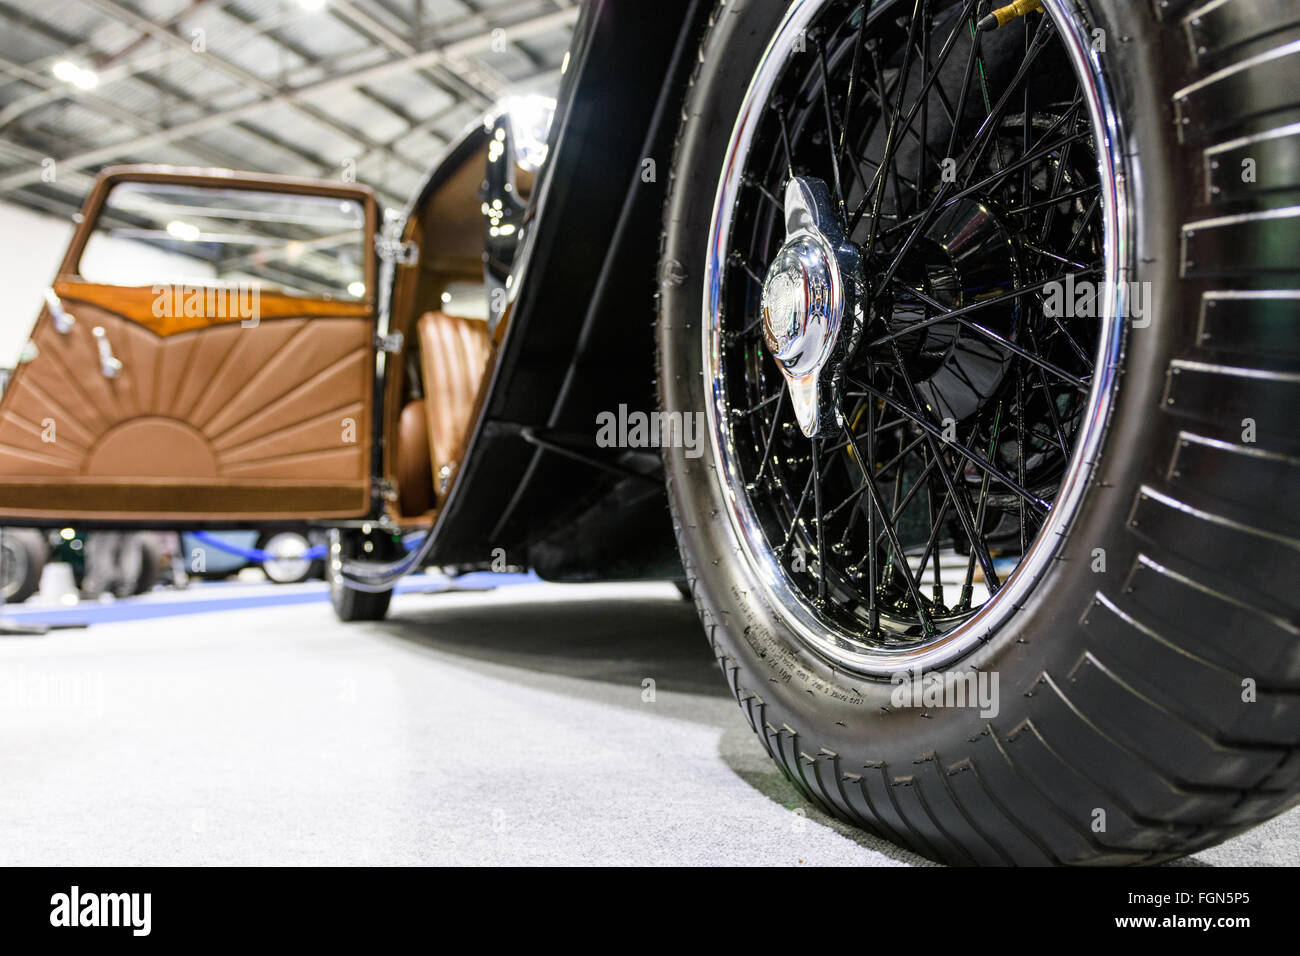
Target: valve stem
(1012,11)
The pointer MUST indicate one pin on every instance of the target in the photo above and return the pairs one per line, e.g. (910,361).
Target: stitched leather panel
(283,403)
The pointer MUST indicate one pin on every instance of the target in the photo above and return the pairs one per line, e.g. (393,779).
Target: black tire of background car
(1121,692)
(350,604)
(25,554)
(150,565)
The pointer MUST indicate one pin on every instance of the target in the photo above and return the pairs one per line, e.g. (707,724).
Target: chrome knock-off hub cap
(811,317)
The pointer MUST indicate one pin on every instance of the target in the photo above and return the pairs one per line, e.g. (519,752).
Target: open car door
(205,354)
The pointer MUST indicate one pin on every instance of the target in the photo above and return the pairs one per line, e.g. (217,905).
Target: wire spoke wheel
(891,493)
(979,559)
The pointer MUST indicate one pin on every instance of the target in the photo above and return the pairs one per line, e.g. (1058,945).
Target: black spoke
(778,395)
(992,336)
(821,532)
(922,97)
(976,306)
(934,432)
(913,588)
(771,433)
(878,181)
(863,11)
(982,138)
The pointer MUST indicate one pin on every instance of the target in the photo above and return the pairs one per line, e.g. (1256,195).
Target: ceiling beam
(208,154)
(377,73)
(478,80)
(152,59)
(371,74)
(252,81)
(124,69)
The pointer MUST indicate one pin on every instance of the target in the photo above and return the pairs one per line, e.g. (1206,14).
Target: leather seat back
(453,356)
(414,460)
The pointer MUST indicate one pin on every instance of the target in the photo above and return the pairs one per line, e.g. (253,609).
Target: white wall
(31,248)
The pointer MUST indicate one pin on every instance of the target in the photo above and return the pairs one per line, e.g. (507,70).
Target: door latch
(63,319)
(109,365)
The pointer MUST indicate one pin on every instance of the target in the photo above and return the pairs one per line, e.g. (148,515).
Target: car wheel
(350,604)
(22,557)
(288,566)
(150,564)
(996,571)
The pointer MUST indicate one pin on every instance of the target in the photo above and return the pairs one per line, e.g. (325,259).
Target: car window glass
(303,245)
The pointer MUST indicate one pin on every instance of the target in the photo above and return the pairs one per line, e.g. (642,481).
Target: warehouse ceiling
(341,89)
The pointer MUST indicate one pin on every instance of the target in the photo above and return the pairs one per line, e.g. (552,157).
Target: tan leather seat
(453,356)
(414,460)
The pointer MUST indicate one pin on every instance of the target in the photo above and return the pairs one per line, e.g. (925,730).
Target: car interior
(440,306)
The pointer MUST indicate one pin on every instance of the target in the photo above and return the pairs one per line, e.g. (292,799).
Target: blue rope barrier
(257,555)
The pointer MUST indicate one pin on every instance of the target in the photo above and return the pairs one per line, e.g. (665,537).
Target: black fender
(580,334)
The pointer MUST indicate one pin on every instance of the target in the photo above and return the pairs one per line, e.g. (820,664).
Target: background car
(285,555)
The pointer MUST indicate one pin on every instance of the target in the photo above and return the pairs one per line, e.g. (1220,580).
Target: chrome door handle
(63,320)
(108,364)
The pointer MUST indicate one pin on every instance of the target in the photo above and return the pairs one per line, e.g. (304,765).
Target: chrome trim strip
(1227,71)
(1236,371)
(1280,132)
(1289,212)
(1222,295)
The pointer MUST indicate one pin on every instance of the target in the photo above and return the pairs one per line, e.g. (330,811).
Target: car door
(205,354)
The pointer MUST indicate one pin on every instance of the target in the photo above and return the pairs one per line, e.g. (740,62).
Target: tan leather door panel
(206,420)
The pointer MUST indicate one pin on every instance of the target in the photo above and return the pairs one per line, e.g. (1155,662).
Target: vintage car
(948,354)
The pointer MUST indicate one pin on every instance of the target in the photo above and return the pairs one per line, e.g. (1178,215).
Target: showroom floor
(492,727)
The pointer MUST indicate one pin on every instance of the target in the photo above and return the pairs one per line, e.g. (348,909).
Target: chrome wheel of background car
(899,422)
(287,564)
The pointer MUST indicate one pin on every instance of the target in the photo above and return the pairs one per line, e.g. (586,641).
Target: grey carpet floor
(507,727)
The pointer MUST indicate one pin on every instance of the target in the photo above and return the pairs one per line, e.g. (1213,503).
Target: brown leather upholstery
(215,422)
(414,461)
(453,355)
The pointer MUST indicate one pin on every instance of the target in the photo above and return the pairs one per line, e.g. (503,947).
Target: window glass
(466,299)
(151,233)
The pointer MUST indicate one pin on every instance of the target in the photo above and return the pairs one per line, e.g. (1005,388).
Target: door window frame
(223,179)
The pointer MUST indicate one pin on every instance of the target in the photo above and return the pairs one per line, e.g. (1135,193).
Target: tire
(150,565)
(350,604)
(24,556)
(1126,732)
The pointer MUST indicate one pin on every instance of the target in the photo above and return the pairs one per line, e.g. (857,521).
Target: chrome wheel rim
(814,616)
(285,562)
